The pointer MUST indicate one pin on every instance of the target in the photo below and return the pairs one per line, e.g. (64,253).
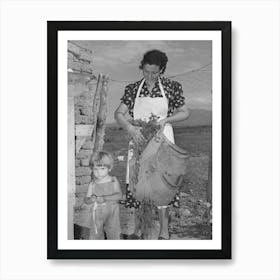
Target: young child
(103,194)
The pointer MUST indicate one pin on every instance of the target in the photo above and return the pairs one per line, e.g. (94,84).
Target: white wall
(255,139)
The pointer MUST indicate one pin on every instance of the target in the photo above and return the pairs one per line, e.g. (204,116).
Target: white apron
(143,108)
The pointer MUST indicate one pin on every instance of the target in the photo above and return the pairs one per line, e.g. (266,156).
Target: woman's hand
(135,133)
(88,200)
(162,123)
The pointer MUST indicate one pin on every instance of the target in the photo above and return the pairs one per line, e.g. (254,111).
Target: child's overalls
(105,216)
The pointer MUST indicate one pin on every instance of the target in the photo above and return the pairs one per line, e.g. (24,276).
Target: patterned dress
(174,93)
(172,89)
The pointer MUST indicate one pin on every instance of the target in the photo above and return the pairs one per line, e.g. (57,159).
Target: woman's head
(155,58)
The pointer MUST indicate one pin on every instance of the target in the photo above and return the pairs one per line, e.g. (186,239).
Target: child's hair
(102,158)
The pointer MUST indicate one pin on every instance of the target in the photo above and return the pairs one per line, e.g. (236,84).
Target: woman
(155,95)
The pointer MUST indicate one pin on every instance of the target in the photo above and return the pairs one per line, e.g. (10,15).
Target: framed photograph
(139,140)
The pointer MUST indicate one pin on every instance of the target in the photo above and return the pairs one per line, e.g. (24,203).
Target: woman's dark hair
(155,57)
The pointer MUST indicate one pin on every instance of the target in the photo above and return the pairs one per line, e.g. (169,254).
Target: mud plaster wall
(81,86)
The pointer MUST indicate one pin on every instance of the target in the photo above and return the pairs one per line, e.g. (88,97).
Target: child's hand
(83,206)
(99,199)
(90,200)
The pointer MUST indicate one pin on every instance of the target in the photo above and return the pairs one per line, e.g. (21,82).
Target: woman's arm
(180,114)
(120,116)
(121,119)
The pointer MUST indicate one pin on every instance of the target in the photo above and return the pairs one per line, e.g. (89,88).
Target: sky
(120,61)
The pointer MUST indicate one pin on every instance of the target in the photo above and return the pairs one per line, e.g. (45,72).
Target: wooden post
(71,167)
(101,117)
(96,103)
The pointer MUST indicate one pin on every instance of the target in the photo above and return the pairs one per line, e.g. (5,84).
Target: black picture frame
(53,27)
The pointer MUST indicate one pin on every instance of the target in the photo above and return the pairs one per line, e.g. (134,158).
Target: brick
(80,52)
(87,111)
(85,162)
(80,119)
(80,66)
(77,84)
(80,195)
(81,189)
(81,180)
(79,201)
(83,101)
(88,145)
(84,130)
(85,94)
(77,162)
(84,154)
(83,171)
(78,110)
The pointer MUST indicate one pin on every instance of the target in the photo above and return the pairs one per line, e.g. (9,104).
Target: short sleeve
(128,97)
(179,99)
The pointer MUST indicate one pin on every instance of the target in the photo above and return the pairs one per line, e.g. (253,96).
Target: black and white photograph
(139,140)
(152,179)
(135,122)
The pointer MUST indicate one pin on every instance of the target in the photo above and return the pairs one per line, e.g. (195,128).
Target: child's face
(100,172)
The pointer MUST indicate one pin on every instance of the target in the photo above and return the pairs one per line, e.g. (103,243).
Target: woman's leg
(163,220)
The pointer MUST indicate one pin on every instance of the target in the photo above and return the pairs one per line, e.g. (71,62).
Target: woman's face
(151,72)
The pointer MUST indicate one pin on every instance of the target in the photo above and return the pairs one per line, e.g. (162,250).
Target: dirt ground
(193,220)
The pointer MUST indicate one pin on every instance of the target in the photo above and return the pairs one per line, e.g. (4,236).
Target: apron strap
(139,89)
(161,88)
(142,83)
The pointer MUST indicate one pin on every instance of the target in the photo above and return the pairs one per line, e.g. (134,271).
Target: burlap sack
(162,167)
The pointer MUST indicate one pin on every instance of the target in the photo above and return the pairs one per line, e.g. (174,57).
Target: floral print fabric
(173,91)
(131,201)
